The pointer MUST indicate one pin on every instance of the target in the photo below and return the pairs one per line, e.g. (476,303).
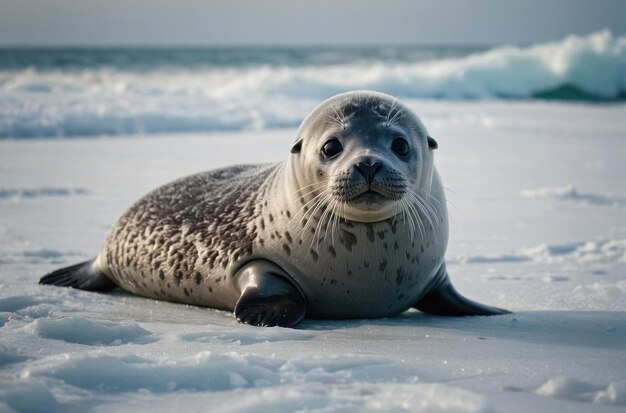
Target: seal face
(352,225)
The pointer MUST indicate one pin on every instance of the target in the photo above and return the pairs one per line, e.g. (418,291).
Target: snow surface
(538,226)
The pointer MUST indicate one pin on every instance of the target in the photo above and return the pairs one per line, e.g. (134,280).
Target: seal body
(353,224)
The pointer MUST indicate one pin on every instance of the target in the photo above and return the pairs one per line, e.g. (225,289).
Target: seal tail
(84,276)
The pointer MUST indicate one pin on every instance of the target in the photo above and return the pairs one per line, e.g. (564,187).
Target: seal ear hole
(297,147)
(432,144)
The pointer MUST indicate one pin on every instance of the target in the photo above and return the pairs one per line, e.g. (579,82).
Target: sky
(302,22)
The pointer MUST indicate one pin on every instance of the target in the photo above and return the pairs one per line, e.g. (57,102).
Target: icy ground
(537,195)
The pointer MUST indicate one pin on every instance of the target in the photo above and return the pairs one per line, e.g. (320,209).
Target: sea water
(57,92)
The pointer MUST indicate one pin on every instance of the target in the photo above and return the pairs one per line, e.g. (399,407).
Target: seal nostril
(368,170)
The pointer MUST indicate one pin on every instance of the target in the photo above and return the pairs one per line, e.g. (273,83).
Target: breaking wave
(49,101)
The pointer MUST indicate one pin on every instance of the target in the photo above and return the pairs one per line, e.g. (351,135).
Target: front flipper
(445,300)
(268,298)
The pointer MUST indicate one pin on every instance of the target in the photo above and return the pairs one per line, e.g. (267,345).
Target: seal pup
(353,225)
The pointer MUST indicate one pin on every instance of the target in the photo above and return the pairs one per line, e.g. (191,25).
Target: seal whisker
(414,211)
(393,105)
(310,192)
(412,223)
(432,209)
(340,206)
(320,224)
(340,117)
(321,183)
(422,194)
(395,117)
(331,220)
(320,204)
(421,207)
(309,202)
(424,208)
(332,120)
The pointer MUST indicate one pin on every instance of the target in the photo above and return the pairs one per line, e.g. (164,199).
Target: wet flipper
(268,299)
(82,276)
(445,300)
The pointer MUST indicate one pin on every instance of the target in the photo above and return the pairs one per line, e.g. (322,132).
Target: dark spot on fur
(198,278)
(332,251)
(314,254)
(366,264)
(348,239)
(399,276)
(370,232)
(271,217)
(288,236)
(382,265)
(287,249)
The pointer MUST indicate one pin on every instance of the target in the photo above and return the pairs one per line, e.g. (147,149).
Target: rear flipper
(445,300)
(83,276)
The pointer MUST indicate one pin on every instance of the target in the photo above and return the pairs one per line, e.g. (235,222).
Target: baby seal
(353,225)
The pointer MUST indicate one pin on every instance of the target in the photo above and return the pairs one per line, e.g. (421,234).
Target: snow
(553,256)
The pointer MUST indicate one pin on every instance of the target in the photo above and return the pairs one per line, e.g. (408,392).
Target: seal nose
(368,170)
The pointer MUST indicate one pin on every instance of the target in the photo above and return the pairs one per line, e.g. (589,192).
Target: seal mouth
(369,197)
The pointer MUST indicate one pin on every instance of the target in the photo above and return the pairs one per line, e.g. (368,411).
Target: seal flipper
(445,300)
(268,299)
(83,276)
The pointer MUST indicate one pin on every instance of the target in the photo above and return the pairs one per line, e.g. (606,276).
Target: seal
(353,225)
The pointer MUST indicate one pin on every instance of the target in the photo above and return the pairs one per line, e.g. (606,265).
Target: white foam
(107,101)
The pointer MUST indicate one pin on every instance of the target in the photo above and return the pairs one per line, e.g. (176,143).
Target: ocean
(90,92)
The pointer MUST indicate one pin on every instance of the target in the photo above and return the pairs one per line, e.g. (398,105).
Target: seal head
(366,153)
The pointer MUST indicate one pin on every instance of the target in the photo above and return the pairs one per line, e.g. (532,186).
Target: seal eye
(332,148)
(400,146)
